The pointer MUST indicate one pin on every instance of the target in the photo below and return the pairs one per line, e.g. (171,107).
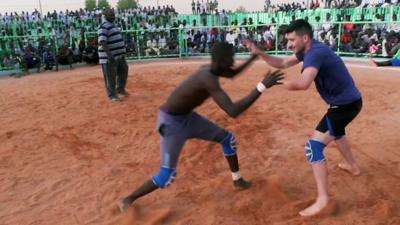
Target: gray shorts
(176,129)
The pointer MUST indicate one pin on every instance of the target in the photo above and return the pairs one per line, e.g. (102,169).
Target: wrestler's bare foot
(352,169)
(123,205)
(242,184)
(315,208)
(372,62)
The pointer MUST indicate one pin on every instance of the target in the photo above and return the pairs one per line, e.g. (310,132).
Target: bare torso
(192,92)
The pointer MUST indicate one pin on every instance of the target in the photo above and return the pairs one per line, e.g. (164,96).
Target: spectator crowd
(325,4)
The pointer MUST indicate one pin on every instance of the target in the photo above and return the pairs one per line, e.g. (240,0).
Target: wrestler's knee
(229,144)
(165,177)
(315,151)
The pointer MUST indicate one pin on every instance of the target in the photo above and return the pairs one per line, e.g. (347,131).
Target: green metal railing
(182,45)
(355,14)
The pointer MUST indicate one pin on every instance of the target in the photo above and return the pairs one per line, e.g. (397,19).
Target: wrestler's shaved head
(222,57)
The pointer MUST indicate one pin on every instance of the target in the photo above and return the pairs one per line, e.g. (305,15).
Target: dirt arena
(67,154)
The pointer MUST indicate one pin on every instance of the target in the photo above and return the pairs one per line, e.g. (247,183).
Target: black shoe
(242,184)
(123,93)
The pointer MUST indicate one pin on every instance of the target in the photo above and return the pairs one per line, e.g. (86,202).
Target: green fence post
(138,44)
(339,38)
(276,38)
(180,41)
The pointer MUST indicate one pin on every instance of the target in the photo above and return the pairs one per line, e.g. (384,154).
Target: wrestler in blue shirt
(336,86)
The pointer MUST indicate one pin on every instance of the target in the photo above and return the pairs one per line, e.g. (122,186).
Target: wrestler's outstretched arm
(236,71)
(303,82)
(277,62)
(234,109)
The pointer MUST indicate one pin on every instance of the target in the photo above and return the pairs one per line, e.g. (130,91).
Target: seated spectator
(348,26)
(364,3)
(65,56)
(346,40)
(30,60)
(230,37)
(173,46)
(130,44)
(239,44)
(373,48)
(48,59)
(10,62)
(3,54)
(162,43)
(90,55)
(204,40)
(390,44)
(327,25)
(395,61)
(395,25)
(152,47)
(318,29)
(76,53)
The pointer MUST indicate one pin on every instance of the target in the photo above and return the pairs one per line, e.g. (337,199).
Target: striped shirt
(112,35)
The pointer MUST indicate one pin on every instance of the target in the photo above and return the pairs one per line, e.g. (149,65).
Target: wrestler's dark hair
(220,51)
(301,27)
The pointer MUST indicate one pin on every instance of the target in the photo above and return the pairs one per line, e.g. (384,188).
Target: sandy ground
(67,154)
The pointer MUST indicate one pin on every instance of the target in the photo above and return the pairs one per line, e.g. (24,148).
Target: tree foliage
(241,9)
(103,4)
(127,4)
(90,4)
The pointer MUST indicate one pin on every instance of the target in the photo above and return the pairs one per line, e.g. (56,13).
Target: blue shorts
(395,62)
(176,129)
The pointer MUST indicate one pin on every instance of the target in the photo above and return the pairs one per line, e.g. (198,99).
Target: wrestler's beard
(301,50)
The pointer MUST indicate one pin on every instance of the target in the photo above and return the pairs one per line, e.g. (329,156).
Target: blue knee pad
(315,151)
(165,177)
(229,145)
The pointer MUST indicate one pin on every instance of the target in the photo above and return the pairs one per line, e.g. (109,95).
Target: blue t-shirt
(333,81)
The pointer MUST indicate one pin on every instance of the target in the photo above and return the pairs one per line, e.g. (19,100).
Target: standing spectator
(267,6)
(215,5)
(208,7)
(224,18)
(203,7)
(193,7)
(198,7)
(112,57)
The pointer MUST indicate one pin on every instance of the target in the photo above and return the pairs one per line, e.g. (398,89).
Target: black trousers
(115,76)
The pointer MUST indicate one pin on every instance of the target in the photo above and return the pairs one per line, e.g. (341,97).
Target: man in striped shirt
(112,56)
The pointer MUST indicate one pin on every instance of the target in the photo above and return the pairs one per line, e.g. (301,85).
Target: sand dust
(67,154)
